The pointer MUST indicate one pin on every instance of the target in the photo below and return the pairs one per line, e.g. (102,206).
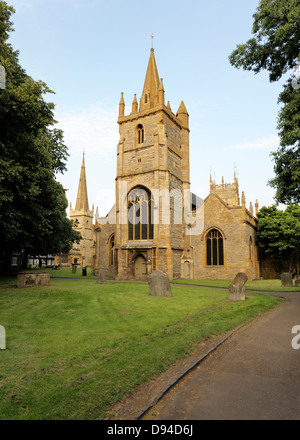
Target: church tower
(83,222)
(152,165)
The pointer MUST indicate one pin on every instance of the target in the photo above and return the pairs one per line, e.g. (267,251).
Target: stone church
(156,222)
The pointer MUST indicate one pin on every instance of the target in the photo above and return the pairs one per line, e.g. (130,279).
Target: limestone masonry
(156,222)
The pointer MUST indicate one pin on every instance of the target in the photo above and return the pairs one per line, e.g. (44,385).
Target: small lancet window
(146,98)
(140,134)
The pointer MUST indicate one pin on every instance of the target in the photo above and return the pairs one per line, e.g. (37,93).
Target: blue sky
(89,51)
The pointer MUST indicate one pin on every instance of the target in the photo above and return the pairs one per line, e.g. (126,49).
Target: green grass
(266,285)
(74,348)
(270,285)
(205,283)
(66,272)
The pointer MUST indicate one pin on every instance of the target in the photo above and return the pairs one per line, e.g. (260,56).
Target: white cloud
(93,128)
(265,143)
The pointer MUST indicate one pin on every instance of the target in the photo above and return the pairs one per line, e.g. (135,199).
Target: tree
(275,47)
(278,236)
(287,157)
(32,203)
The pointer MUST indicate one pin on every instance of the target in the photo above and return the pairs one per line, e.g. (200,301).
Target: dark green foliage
(275,47)
(32,203)
(287,157)
(279,235)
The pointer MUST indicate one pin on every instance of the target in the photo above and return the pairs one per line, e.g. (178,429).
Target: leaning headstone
(102,275)
(237,287)
(297,283)
(159,284)
(286,279)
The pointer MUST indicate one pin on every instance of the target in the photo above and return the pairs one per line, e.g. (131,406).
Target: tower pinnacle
(150,91)
(82,203)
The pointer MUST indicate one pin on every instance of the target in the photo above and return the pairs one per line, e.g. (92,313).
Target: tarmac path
(254,375)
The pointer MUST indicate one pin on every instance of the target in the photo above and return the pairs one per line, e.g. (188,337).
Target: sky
(89,51)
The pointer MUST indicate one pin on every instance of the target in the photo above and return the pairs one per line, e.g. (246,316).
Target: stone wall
(236,229)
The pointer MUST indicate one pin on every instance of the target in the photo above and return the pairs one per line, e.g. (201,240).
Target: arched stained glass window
(214,248)
(140,215)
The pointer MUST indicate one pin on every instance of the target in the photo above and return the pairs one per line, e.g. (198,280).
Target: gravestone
(286,279)
(237,287)
(102,275)
(33,279)
(159,284)
(74,268)
(297,283)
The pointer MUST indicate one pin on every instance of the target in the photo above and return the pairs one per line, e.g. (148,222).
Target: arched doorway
(186,269)
(140,271)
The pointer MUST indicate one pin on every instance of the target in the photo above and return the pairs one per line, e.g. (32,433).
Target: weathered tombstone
(286,279)
(102,275)
(297,283)
(74,268)
(159,284)
(33,279)
(237,287)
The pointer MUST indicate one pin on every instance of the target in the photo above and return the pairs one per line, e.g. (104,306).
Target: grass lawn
(66,272)
(266,285)
(74,348)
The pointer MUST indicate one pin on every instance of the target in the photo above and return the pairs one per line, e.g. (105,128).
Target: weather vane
(152,36)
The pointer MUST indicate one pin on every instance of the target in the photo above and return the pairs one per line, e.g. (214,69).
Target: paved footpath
(254,375)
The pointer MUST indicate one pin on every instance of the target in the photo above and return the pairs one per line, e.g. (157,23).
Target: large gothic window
(140,215)
(214,248)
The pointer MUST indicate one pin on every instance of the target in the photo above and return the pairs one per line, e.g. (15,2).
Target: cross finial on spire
(152,37)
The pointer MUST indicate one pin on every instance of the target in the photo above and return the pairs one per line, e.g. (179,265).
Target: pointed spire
(161,92)
(150,91)
(243,200)
(256,207)
(251,208)
(122,105)
(169,106)
(82,203)
(134,104)
(182,109)
(183,115)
